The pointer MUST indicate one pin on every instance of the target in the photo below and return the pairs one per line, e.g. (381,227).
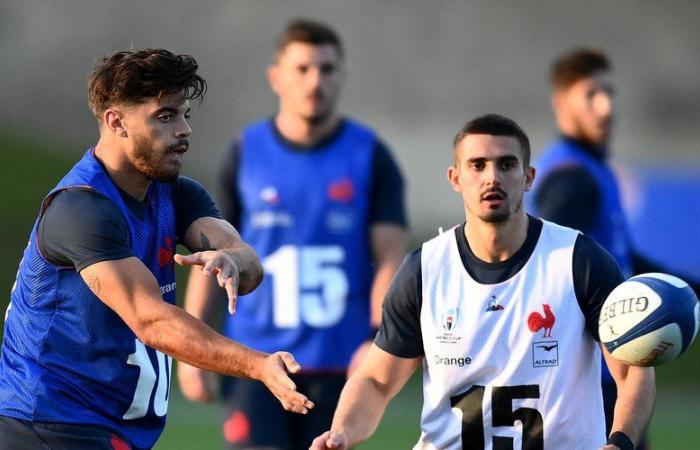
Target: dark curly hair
(131,77)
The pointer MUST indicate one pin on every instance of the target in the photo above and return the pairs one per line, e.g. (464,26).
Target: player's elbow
(146,326)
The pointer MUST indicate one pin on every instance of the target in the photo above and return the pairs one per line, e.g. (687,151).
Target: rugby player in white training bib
(502,313)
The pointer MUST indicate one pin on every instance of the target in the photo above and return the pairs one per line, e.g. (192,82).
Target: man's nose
(183,130)
(492,175)
(603,102)
(313,77)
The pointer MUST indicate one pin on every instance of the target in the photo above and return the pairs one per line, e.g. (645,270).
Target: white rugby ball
(649,319)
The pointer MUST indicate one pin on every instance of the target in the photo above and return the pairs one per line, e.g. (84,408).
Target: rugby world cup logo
(450,318)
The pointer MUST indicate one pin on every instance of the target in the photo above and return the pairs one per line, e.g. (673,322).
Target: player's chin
(496,216)
(167,176)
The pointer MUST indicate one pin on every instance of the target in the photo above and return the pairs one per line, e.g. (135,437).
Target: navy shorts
(17,434)
(255,419)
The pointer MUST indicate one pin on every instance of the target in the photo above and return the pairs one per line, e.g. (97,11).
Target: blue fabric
(306,214)
(66,356)
(610,228)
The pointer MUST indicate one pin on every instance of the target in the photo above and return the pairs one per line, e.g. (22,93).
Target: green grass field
(674,426)
(32,168)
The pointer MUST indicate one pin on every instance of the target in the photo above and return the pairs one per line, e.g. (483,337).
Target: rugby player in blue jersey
(92,326)
(320,199)
(575,184)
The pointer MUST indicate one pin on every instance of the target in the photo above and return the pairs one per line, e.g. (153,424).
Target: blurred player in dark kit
(320,199)
(92,326)
(576,186)
(502,314)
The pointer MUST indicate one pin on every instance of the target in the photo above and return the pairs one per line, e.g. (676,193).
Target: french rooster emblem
(536,322)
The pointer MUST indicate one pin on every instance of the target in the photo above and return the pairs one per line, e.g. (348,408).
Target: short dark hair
(496,125)
(577,64)
(309,32)
(131,77)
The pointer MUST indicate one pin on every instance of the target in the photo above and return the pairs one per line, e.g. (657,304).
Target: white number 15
(308,285)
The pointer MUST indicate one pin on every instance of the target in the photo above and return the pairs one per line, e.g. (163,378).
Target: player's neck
(304,132)
(121,171)
(496,242)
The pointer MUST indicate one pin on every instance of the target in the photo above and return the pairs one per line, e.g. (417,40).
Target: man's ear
(273,77)
(453,178)
(529,178)
(114,122)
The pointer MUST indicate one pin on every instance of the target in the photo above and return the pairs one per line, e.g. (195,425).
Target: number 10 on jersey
(308,285)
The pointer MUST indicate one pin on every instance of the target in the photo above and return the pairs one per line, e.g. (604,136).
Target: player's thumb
(188,260)
(290,363)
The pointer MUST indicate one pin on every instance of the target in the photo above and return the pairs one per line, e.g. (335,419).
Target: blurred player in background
(92,326)
(576,186)
(502,312)
(321,199)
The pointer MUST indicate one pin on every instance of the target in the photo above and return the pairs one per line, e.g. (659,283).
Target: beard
(150,161)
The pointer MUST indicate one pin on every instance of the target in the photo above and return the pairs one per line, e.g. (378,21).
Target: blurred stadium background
(416,72)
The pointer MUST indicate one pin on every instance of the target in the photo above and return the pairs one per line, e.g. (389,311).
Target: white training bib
(508,365)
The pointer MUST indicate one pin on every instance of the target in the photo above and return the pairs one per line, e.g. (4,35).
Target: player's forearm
(382,279)
(250,271)
(178,334)
(209,233)
(360,409)
(388,248)
(635,402)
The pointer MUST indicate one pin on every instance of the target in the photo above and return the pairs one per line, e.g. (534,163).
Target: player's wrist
(621,441)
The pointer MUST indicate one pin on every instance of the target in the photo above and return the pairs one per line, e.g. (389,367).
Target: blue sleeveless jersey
(306,214)
(610,227)
(66,356)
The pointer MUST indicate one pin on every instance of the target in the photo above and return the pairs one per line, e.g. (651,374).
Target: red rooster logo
(536,322)
(165,253)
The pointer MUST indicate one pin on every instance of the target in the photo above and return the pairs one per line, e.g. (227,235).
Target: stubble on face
(502,214)
(152,161)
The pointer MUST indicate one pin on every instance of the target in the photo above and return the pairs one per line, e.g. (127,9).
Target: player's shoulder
(258,125)
(356,127)
(589,252)
(78,202)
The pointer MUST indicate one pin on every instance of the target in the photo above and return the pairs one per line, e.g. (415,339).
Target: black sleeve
(192,201)
(596,274)
(387,197)
(81,227)
(569,196)
(227,191)
(400,332)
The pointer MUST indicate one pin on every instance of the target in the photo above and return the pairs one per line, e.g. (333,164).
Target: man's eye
(165,117)
(478,166)
(327,69)
(507,165)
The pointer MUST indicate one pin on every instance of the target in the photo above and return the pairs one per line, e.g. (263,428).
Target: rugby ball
(649,319)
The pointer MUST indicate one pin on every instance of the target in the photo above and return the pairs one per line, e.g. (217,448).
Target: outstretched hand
(221,263)
(330,440)
(273,374)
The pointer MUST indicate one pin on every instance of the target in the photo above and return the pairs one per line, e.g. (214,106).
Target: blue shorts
(17,434)
(255,419)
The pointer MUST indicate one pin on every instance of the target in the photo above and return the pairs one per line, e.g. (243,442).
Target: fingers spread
(232,298)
